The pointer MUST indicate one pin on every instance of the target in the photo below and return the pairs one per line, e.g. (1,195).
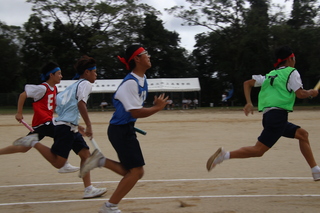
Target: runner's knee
(137,172)
(302,134)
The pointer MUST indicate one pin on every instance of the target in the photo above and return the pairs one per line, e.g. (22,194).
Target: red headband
(281,60)
(137,52)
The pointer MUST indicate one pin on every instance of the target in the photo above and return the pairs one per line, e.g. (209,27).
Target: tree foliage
(242,36)
(9,58)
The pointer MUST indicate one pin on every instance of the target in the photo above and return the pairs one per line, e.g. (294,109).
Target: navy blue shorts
(47,129)
(66,140)
(124,140)
(275,124)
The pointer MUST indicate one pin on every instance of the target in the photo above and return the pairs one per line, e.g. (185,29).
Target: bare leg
(14,149)
(305,148)
(115,167)
(126,184)
(55,160)
(130,178)
(250,151)
(84,154)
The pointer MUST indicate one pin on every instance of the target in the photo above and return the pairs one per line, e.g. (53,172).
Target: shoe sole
(17,142)
(22,141)
(63,172)
(210,161)
(316,179)
(98,195)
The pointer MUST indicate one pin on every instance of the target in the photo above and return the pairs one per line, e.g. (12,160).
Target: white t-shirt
(84,90)
(36,91)
(128,93)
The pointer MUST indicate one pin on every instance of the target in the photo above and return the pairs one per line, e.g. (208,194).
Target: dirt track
(175,148)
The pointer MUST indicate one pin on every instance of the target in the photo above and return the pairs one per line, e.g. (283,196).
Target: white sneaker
(26,140)
(105,209)
(91,163)
(316,176)
(216,158)
(94,192)
(68,168)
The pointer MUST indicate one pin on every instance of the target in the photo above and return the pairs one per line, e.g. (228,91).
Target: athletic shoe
(94,192)
(105,209)
(316,176)
(91,163)
(216,158)
(26,140)
(68,168)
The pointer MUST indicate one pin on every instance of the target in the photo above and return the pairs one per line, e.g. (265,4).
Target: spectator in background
(103,105)
(169,104)
(184,103)
(224,100)
(195,103)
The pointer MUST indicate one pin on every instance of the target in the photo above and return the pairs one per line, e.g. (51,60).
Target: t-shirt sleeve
(295,82)
(128,95)
(84,90)
(35,91)
(259,80)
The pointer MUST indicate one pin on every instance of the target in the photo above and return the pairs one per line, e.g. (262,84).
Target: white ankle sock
(108,204)
(226,156)
(102,162)
(315,169)
(34,143)
(88,188)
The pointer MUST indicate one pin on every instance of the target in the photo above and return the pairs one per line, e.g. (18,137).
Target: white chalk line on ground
(161,198)
(164,180)
(167,197)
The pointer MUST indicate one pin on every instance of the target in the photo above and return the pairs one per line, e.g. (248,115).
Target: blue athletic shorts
(66,140)
(124,140)
(275,124)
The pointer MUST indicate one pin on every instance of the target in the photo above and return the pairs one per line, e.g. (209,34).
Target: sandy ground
(176,148)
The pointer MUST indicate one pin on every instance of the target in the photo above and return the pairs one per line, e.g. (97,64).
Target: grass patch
(12,110)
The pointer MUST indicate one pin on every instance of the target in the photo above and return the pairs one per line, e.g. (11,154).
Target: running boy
(44,96)
(279,88)
(70,104)
(128,101)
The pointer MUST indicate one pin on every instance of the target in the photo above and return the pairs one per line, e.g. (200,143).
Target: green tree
(212,14)
(66,29)
(303,13)
(168,58)
(9,59)
(236,44)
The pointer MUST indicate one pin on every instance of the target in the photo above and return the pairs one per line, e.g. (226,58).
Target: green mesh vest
(274,92)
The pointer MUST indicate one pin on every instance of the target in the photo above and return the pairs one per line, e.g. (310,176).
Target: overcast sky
(16,12)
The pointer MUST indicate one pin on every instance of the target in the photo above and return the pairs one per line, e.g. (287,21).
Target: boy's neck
(51,83)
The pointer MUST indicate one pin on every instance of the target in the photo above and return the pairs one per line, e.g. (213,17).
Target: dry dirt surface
(176,148)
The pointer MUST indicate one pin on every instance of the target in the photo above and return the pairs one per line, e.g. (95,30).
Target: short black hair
(129,52)
(283,52)
(47,68)
(84,63)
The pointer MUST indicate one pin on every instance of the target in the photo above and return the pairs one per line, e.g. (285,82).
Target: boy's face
(56,77)
(292,61)
(144,59)
(91,75)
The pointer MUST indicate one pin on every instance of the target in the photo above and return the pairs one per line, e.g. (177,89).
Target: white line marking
(169,197)
(165,180)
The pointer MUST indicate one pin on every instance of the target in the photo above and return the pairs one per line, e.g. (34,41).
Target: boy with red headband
(128,101)
(279,88)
